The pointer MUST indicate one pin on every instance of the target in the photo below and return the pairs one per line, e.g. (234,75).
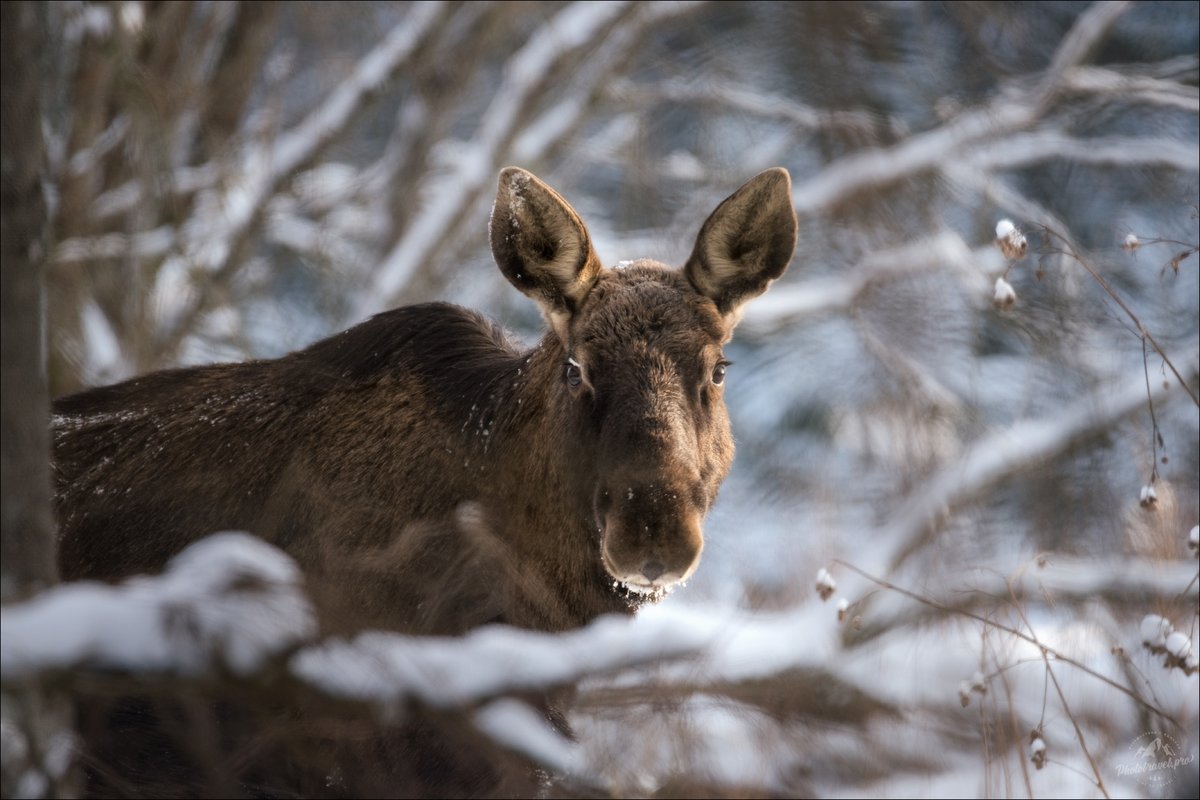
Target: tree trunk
(28,539)
(37,743)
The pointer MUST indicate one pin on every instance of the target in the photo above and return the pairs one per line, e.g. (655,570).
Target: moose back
(585,465)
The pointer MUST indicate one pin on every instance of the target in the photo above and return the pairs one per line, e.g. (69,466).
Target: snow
(1179,645)
(386,667)
(519,727)
(1003,296)
(230,600)
(843,608)
(826,585)
(131,16)
(716,643)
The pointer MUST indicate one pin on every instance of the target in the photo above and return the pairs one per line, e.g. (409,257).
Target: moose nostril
(652,569)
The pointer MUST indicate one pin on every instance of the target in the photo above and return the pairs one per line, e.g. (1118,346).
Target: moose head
(642,372)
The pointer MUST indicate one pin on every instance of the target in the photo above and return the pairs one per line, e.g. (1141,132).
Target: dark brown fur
(422,440)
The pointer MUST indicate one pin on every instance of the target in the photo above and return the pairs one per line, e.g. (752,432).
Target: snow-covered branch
(747,100)
(1010,112)
(999,455)
(230,601)
(1086,34)
(225,217)
(1021,150)
(577,26)
(556,123)
(322,125)
(1138,88)
(234,602)
(783,306)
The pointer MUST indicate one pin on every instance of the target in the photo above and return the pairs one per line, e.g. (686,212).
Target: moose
(588,461)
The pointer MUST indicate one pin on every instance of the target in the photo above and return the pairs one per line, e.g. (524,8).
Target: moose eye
(718,375)
(573,373)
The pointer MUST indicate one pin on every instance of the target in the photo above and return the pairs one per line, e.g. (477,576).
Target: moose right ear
(542,246)
(745,244)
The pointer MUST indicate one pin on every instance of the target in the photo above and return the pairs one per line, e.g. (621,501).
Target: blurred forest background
(992,452)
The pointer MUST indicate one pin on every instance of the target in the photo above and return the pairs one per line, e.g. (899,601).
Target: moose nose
(652,569)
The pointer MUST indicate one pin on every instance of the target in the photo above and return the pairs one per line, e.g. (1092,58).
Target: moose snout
(651,536)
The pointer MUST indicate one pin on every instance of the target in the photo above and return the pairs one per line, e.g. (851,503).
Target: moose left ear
(745,244)
(542,246)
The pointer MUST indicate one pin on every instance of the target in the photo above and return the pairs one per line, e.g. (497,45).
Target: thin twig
(1008,629)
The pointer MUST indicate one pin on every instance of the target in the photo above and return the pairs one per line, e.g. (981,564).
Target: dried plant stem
(1062,698)
(1155,434)
(1116,298)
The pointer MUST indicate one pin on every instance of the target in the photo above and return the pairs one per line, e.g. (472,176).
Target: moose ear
(542,246)
(745,244)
